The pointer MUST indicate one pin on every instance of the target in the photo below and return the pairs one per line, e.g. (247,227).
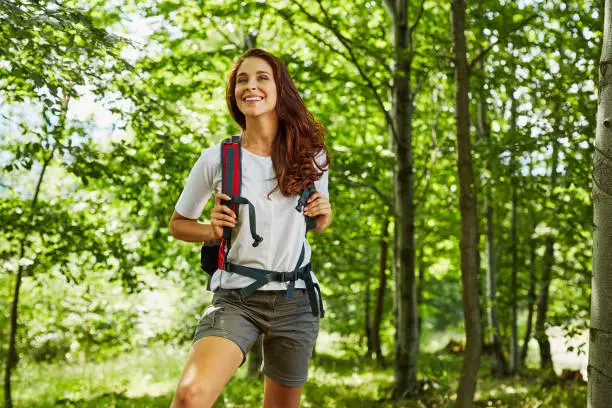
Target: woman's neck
(259,136)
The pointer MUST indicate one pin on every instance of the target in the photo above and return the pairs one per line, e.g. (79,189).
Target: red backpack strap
(231,184)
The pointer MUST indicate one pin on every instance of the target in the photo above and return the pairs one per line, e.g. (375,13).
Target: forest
(469,262)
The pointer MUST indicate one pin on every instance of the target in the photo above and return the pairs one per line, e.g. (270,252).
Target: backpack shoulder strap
(231,184)
(231,167)
(306,192)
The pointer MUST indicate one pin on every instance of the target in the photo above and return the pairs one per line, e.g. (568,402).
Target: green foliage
(102,274)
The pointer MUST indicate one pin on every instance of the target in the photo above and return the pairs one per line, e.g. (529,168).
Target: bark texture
(406,338)
(469,222)
(600,342)
(380,293)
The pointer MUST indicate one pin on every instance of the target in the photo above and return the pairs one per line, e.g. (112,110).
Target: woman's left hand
(316,206)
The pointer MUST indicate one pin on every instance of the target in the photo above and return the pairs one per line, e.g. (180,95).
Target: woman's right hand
(221,215)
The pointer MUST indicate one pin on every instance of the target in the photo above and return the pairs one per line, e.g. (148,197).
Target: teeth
(258,98)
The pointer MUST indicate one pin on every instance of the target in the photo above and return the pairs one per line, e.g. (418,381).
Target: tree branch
(216,27)
(385,198)
(418,18)
(353,59)
(341,37)
(420,83)
(517,27)
(293,25)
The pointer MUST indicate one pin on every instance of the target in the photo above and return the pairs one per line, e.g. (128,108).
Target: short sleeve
(200,184)
(322,184)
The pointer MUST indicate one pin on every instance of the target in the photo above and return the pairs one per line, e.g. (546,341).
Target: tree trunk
(540,327)
(514,248)
(531,297)
(380,293)
(367,318)
(600,343)
(420,288)
(469,222)
(546,362)
(11,357)
(406,345)
(255,359)
(514,287)
(500,365)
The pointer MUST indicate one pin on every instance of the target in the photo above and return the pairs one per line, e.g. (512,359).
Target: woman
(283,150)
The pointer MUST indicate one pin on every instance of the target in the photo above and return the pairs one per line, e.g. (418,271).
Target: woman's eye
(242,80)
(263,78)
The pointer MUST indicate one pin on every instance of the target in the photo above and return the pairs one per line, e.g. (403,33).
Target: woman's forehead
(254,65)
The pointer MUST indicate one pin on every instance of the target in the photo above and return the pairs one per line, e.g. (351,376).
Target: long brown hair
(300,137)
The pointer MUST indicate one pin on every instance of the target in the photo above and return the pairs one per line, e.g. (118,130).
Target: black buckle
(302,200)
(287,277)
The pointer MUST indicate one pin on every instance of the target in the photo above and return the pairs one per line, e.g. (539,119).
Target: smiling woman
(264,287)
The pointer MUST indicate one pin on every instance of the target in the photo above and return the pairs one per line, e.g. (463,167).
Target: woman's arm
(190,230)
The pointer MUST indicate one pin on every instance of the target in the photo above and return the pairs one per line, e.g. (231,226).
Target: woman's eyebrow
(258,72)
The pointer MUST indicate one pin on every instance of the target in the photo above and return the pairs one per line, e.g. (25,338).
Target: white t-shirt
(282,228)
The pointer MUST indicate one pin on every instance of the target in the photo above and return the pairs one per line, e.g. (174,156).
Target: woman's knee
(194,395)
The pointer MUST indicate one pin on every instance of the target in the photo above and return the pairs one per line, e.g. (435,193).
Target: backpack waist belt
(263,276)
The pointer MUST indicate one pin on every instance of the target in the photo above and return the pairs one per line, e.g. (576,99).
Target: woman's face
(255,91)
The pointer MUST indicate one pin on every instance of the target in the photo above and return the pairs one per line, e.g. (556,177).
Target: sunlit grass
(148,378)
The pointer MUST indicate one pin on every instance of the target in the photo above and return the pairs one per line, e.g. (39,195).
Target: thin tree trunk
(368,319)
(514,249)
(531,297)
(406,344)
(255,359)
(500,365)
(600,339)
(420,288)
(540,326)
(514,287)
(546,362)
(469,221)
(11,357)
(380,293)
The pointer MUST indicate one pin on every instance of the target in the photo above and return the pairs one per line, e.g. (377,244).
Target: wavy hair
(300,137)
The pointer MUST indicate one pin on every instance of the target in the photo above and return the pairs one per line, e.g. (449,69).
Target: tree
(469,222)
(600,343)
(400,125)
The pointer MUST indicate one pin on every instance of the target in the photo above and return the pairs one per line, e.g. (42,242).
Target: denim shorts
(288,326)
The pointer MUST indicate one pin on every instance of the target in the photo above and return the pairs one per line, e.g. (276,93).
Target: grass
(148,378)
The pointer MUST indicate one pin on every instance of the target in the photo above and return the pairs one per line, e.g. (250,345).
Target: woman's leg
(288,345)
(280,396)
(211,363)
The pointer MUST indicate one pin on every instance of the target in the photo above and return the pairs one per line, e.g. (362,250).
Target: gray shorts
(289,328)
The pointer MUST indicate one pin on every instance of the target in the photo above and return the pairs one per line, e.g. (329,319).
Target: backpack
(213,257)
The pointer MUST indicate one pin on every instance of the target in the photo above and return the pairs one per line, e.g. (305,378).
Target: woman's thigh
(222,338)
(210,364)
